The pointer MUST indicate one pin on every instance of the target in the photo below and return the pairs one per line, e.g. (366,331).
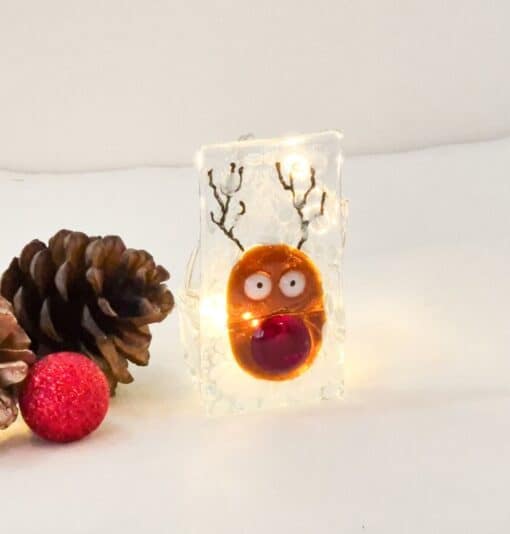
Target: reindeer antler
(300,204)
(224,204)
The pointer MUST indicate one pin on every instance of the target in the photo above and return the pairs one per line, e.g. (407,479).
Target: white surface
(100,84)
(421,442)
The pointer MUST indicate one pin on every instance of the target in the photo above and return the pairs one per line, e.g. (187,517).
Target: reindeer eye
(292,283)
(257,286)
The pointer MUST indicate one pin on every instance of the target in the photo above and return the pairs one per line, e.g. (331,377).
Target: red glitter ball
(65,397)
(281,343)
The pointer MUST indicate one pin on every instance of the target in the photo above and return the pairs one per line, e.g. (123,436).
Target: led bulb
(297,166)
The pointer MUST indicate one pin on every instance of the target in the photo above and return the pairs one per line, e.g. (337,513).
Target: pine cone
(90,295)
(15,357)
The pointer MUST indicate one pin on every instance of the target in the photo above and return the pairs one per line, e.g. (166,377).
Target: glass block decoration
(262,316)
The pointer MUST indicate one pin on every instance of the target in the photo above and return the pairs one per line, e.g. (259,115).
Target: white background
(420,444)
(94,84)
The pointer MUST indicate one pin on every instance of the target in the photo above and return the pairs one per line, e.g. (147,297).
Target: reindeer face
(275,311)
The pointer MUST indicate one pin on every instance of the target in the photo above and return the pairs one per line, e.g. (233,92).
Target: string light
(213,312)
(297,166)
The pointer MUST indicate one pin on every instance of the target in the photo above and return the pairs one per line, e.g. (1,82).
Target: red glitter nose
(281,343)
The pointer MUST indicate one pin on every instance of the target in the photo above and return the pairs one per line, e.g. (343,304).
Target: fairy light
(213,312)
(297,166)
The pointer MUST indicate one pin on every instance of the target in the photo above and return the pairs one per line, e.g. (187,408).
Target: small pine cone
(91,295)
(15,357)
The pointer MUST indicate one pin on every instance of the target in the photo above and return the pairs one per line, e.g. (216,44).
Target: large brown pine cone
(15,357)
(91,295)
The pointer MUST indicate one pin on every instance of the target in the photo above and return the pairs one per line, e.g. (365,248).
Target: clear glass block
(262,316)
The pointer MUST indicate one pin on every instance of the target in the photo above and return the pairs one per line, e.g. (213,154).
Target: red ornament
(281,343)
(65,397)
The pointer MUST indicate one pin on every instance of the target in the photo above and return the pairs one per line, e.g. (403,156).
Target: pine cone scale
(12,373)
(17,355)
(41,270)
(62,280)
(11,280)
(106,307)
(21,313)
(95,278)
(136,354)
(118,364)
(46,325)
(8,410)
(28,253)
